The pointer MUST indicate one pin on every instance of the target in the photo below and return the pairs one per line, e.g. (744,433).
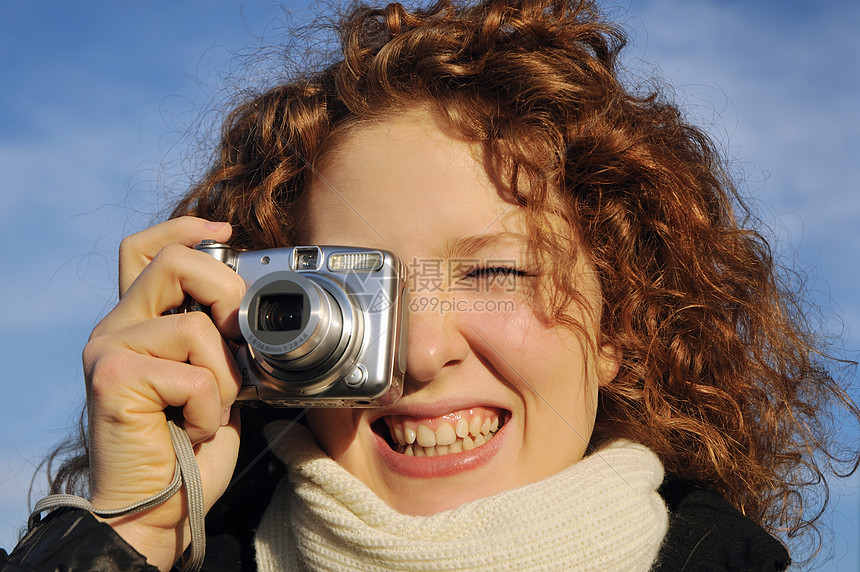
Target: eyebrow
(469,246)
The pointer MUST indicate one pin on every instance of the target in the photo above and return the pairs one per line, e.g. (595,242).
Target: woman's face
(495,396)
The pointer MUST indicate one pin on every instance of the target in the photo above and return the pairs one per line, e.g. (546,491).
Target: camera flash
(342,262)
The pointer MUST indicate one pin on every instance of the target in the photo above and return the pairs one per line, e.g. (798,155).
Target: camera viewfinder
(307,258)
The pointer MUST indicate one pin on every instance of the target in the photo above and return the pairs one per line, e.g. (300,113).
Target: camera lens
(280,313)
(300,330)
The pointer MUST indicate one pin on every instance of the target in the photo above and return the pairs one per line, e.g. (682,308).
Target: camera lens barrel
(296,326)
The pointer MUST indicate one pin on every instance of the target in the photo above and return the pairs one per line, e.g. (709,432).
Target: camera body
(323,326)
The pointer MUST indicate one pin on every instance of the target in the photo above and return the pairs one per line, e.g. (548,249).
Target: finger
(136,406)
(137,250)
(194,339)
(217,453)
(190,339)
(177,271)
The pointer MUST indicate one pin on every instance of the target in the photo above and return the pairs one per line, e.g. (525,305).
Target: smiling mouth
(455,432)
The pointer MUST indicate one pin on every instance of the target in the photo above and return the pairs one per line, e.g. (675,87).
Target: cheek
(549,366)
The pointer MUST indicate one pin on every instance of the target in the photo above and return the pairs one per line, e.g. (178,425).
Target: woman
(638,331)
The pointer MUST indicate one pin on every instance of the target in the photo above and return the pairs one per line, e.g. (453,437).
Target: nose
(434,342)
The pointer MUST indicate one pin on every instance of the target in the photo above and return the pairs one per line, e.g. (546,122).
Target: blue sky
(98,127)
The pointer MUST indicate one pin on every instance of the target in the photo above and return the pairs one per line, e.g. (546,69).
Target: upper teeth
(463,434)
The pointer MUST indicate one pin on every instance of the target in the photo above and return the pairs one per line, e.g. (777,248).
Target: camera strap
(186,471)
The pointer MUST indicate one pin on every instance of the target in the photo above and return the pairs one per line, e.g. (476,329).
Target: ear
(608,363)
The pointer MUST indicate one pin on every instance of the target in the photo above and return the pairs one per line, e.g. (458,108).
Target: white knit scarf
(603,513)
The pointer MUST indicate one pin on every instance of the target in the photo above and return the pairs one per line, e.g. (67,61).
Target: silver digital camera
(323,326)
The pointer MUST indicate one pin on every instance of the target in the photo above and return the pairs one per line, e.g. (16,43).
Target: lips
(455,432)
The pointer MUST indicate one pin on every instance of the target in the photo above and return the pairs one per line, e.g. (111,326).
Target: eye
(492,278)
(495,271)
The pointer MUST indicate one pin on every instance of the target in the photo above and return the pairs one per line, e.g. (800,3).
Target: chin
(429,500)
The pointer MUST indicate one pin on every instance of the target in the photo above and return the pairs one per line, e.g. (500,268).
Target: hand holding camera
(321,326)
(141,359)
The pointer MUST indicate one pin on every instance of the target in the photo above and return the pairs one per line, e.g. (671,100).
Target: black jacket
(706,533)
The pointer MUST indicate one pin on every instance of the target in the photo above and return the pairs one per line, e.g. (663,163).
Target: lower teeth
(416,450)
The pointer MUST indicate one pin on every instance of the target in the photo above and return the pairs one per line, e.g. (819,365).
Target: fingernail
(225,417)
(215,226)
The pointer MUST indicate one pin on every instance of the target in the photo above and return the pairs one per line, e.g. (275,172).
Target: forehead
(404,183)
